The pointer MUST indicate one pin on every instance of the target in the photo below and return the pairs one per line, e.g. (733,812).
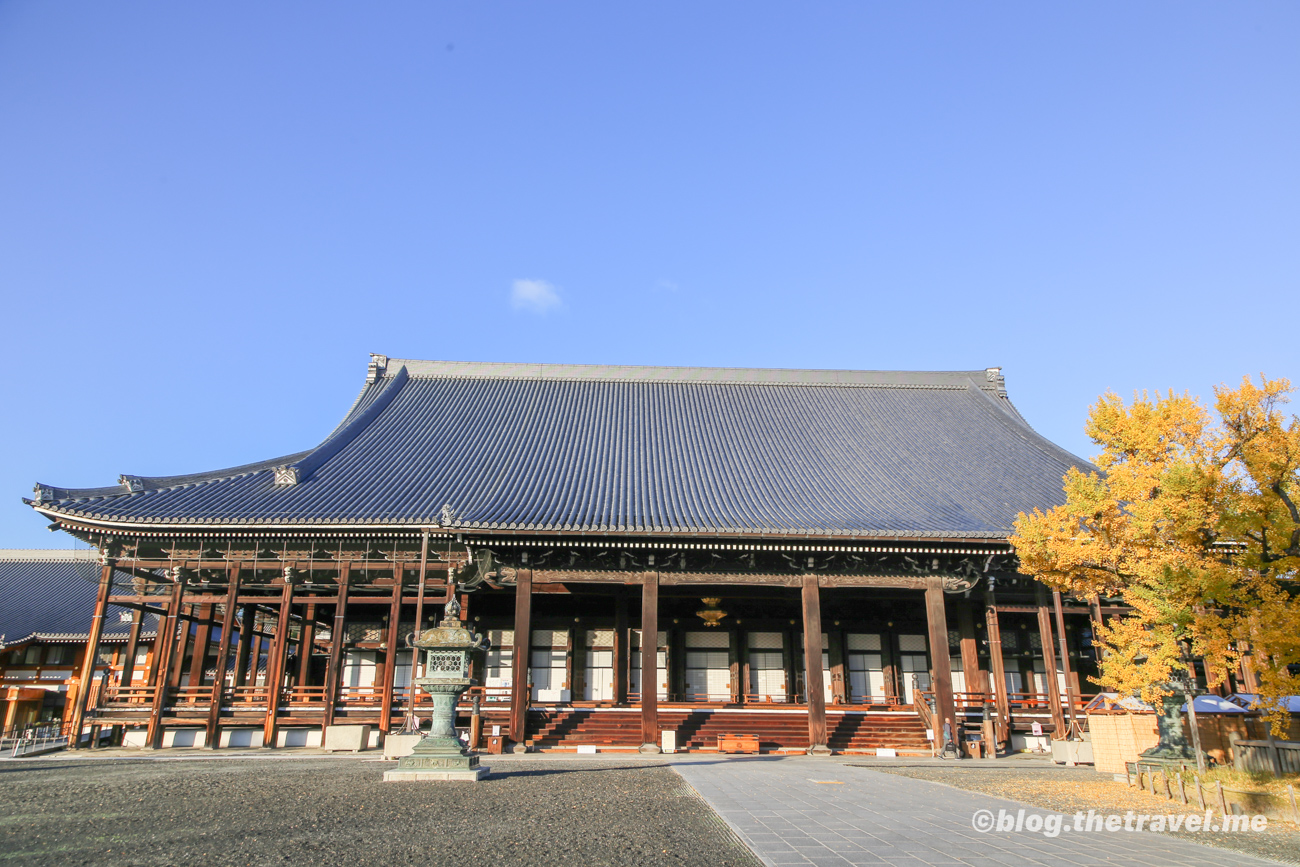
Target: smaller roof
(49,595)
(1251,700)
(1217,704)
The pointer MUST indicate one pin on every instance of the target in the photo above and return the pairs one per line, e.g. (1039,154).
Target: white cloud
(536,296)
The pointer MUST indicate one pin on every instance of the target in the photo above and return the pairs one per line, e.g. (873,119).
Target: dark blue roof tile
(638,450)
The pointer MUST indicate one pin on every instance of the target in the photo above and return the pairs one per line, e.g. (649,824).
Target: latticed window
(365,632)
(954,638)
(1035,641)
(1010,640)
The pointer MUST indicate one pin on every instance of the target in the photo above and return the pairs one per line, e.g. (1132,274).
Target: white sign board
(1037,729)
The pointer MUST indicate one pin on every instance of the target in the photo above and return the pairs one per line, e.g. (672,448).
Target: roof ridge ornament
(286,476)
(994,375)
(377,367)
(133,484)
(447,516)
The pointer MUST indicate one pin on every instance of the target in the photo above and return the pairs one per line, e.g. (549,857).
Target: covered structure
(650,549)
(47,608)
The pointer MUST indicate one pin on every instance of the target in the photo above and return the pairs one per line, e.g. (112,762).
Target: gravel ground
(1066,790)
(322,811)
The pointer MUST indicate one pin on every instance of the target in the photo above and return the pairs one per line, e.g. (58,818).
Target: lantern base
(411,776)
(436,766)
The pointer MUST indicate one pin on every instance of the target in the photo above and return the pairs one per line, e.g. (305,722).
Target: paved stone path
(800,810)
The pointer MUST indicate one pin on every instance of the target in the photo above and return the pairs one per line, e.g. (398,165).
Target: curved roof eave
(91,522)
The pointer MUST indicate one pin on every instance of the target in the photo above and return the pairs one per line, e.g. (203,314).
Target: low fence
(1268,757)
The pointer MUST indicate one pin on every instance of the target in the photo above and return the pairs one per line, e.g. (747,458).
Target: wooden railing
(487,695)
(361,696)
(875,701)
(246,696)
(304,695)
(129,695)
(191,695)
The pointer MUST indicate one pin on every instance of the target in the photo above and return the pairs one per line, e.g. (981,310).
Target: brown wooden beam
(937,621)
(649,663)
(998,667)
(275,663)
(620,647)
(253,566)
(814,687)
(390,658)
(519,696)
(1049,665)
(1065,656)
(92,652)
(335,672)
(306,644)
(132,647)
(245,642)
(223,654)
(835,652)
(202,641)
(164,647)
(970,658)
(1066,609)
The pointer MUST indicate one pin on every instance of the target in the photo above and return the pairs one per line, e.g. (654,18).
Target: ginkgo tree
(1192,519)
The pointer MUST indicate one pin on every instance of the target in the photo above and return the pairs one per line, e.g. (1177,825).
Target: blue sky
(211,213)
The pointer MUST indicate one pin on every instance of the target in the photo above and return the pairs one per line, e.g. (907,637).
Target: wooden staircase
(569,728)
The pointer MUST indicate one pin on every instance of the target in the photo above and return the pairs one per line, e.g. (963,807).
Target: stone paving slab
(799,810)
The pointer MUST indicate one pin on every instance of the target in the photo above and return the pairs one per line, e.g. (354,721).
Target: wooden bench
(737,743)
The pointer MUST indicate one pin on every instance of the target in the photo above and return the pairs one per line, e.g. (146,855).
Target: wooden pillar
(334,674)
(182,645)
(620,646)
(202,641)
(245,642)
(1246,669)
(275,661)
(997,666)
(92,651)
(676,662)
(976,682)
(390,652)
(164,647)
(889,666)
(1065,657)
(649,663)
(576,664)
(735,663)
(1094,605)
(814,687)
(306,644)
(937,621)
(839,672)
(789,668)
(132,648)
(1049,665)
(223,655)
(519,659)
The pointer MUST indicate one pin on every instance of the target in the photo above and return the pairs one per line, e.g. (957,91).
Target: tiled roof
(633,450)
(50,596)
